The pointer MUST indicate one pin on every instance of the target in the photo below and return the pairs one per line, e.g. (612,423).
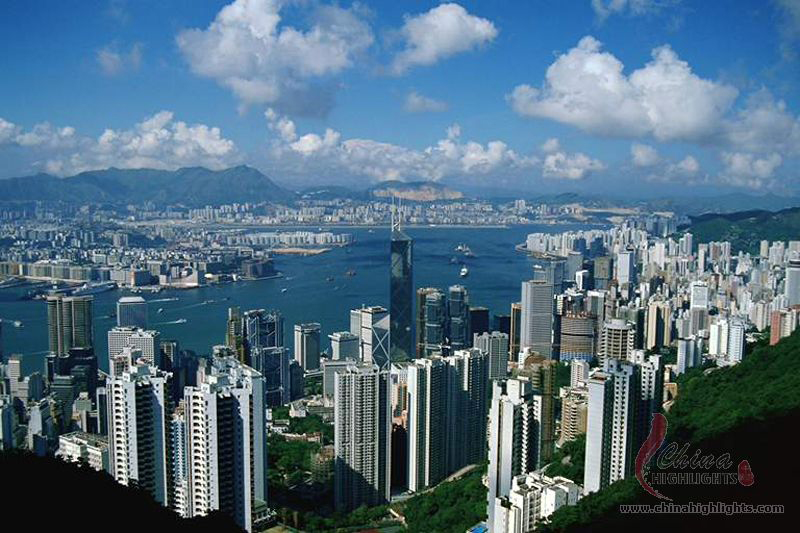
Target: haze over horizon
(634,97)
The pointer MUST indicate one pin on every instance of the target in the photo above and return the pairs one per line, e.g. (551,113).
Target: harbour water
(196,317)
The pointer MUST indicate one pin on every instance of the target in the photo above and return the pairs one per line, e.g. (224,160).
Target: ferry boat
(464,272)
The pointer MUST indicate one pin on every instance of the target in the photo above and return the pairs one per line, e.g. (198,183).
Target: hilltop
(192,186)
(745,229)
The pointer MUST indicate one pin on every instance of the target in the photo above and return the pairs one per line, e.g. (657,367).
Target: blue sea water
(495,274)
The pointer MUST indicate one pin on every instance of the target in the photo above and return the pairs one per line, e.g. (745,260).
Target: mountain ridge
(191,186)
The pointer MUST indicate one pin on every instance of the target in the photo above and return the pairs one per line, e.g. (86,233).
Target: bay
(495,274)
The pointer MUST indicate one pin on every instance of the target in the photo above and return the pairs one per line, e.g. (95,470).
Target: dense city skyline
(674,95)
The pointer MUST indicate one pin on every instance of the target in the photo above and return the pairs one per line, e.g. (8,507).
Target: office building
(578,337)
(132,312)
(422,317)
(69,322)
(371,324)
(146,342)
(362,433)
(626,268)
(495,345)
(603,272)
(659,325)
(344,345)
(262,329)
(274,365)
(458,318)
(515,325)
(234,334)
(401,292)
(578,373)
(537,316)
(435,324)
(307,345)
(478,320)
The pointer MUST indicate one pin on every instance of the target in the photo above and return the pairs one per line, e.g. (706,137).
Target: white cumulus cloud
(644,155)
(113,61)
(159,141)
(442,32)
(570,166)
(587,88)
(750,170)
(418,103)
(248,50)
(328,153)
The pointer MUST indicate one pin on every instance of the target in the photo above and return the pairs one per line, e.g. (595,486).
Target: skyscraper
(515,325)
(611,434)
(791,284)
(495,345)
(132,312)
(226,447)
(478,320)
(467,407)
(458,323)
(578,337)
(536,318)
(616,340)
(427,411)
(513,437)
(421,318)
(138,407)
(344,345)
(146,342)
(435,327)
(362,437)
(234,334)
(262,329)
(306,345)
(69,321)
(371,324)
(401,292)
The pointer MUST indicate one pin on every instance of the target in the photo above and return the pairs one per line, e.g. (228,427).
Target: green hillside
(745,229)
(749,411)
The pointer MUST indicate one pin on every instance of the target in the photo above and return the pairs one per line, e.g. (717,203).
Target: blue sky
(539,95)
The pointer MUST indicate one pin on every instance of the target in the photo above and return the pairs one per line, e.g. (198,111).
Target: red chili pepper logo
(658,431)
(746,476)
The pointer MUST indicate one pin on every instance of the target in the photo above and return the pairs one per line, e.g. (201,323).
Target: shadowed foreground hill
(45,494)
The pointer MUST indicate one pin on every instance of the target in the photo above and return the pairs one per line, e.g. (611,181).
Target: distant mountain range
(193,187)
(746,229)
(197,186)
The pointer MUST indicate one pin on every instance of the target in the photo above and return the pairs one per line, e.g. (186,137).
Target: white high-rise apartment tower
(362,437)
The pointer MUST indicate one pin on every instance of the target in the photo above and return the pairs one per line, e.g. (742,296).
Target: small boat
(181,321)
(464,272)
(17,323)
(160,310)
(329,278)
(350,273)
(461,247)
(284,289)
(453,260)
